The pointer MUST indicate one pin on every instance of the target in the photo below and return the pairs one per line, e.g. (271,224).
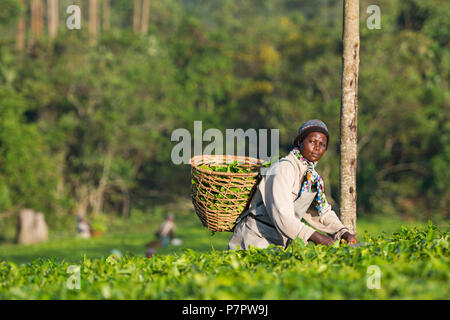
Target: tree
(39,17)
(27,176)
(21,28)
(349,112)
(93,21)
(53,18)
(37,23)
(106,14)
(145,16)
(136,15)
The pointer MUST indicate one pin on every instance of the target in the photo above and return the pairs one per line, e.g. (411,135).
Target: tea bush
(412,263)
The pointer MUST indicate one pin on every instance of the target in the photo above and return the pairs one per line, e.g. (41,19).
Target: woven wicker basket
(219,198)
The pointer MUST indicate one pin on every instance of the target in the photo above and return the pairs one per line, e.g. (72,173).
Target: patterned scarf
(312,181)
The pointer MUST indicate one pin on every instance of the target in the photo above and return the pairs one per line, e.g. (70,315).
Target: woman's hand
(319,238)
(350,238)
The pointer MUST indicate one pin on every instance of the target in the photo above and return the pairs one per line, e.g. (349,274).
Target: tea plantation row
(410,264)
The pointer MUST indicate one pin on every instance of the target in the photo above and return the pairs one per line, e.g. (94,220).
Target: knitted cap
(311,126)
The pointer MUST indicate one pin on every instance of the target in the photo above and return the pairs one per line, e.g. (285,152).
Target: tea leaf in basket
(230,168)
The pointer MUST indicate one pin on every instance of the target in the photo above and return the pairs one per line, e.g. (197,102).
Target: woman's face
(314,146)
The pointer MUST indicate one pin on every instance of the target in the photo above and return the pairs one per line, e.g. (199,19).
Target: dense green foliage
(299,272)
(88,128)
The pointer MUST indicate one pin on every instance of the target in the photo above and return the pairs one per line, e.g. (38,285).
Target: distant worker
(166,230)
(83,227)
(151,248)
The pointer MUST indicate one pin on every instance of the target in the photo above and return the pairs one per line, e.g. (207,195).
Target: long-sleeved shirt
(276,211)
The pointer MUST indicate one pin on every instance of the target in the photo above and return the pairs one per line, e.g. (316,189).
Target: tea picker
(291,191)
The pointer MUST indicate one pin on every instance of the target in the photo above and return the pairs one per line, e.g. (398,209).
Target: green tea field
(395,263)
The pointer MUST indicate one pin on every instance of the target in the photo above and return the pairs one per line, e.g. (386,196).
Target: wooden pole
(349,112)
(145,16)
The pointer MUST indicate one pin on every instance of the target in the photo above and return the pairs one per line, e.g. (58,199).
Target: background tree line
(86,115)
